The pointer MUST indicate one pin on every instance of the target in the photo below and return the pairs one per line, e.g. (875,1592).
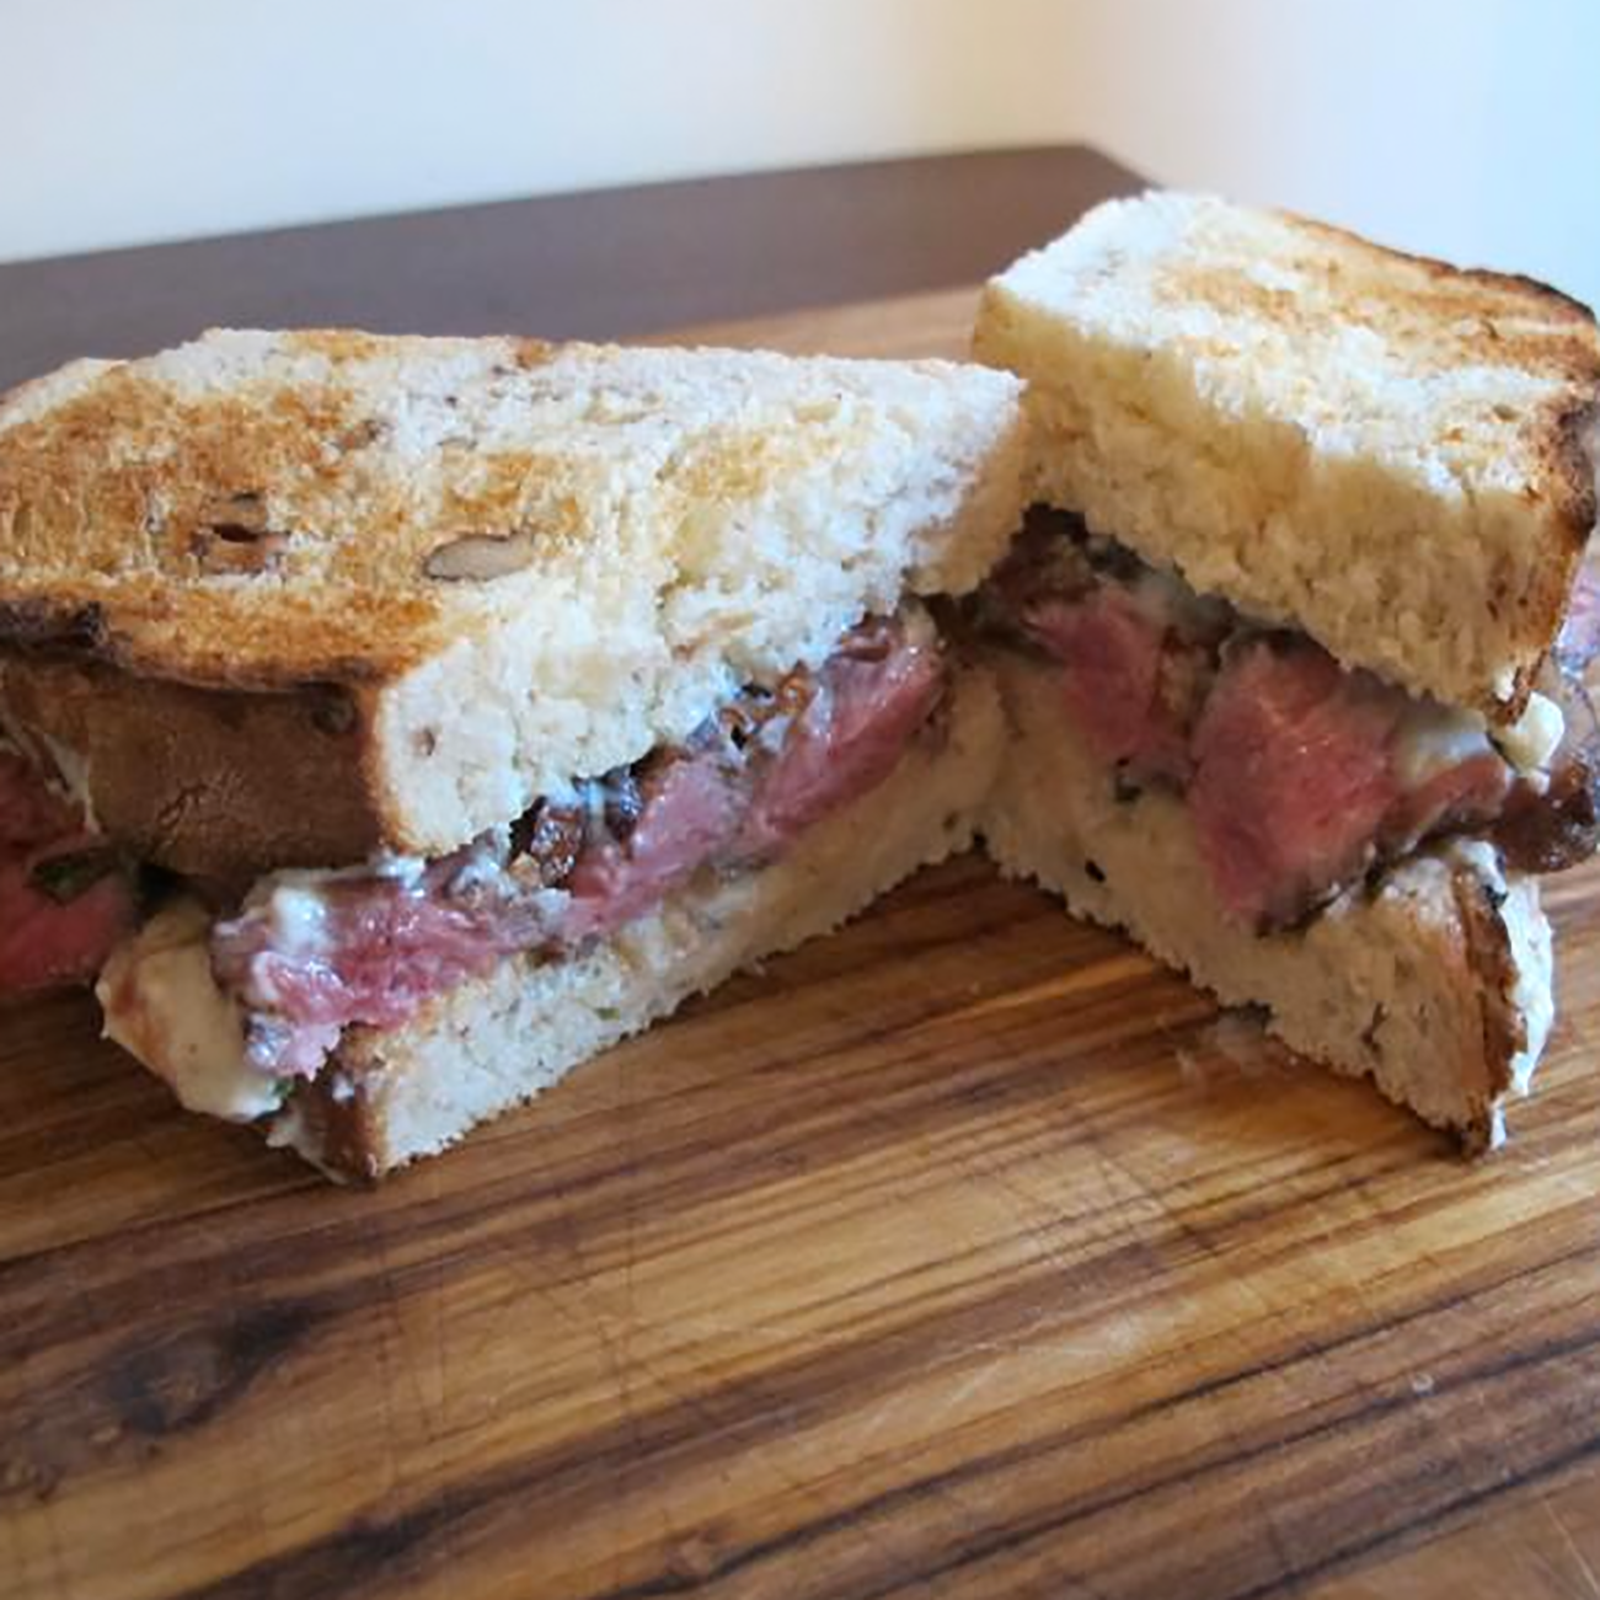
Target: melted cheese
(163,1006)
(299,920)
(1534,737)
(1434,738)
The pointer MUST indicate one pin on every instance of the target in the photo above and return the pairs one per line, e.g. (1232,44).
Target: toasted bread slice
(390,1096)
(1393,455)
(1435,983)
(422,581)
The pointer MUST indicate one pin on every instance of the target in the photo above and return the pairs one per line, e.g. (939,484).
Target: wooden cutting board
(963,1254)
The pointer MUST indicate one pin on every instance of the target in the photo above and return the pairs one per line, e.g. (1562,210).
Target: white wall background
(1469,128)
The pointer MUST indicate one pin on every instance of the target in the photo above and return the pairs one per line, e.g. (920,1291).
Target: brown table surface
(599,265)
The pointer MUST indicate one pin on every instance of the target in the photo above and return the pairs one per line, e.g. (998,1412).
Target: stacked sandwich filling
(65,901)
(1300,777)
(308,954)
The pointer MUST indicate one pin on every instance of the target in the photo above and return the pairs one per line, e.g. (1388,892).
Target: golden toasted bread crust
(1560,434)
(248,511)
(1514,288)
(266,509)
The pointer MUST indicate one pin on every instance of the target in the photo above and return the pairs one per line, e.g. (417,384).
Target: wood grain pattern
(965,1254)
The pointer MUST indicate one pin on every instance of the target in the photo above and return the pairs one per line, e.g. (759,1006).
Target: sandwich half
(402,721)
(1292,645)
